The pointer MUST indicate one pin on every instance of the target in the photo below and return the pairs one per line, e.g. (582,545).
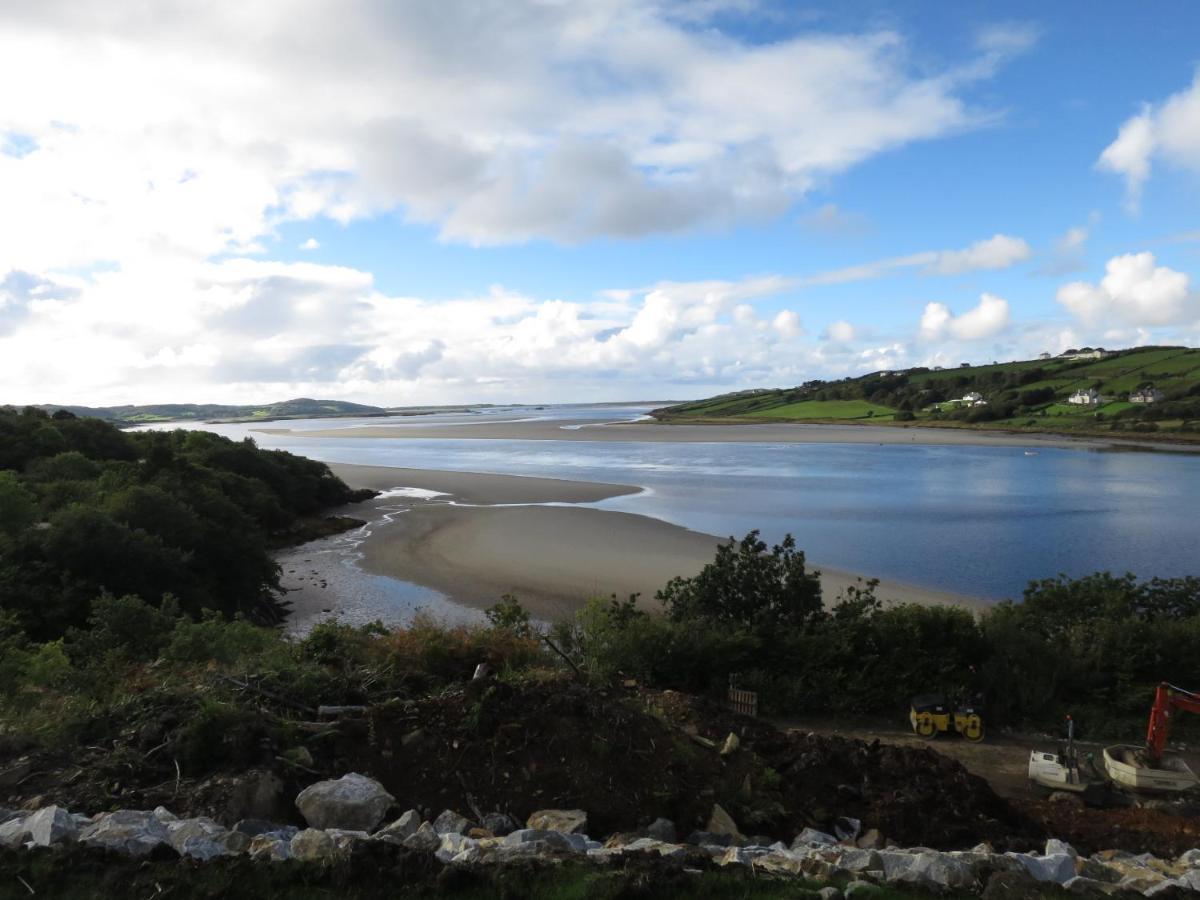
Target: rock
(269,847)
(576,843)
(204,839)
(1089,887)
(1191,859)
(1055,847)
(829,893)
(661,830)
(311,844)
(720,822)
(777,863)
(499,824)
(871,840)
(940,869)
(708,839)
(732,742)
(452,844)
(653,845)
(450,822)
(568,821)
(425,838)
(164,815)
(859,861)
(14,833)
(810,837)
(129,831)
(353,802)
(51,825)
(344,840)
(1058,868)
(402,829)
(7,815)
(860,890)
(846,828)
(254,827)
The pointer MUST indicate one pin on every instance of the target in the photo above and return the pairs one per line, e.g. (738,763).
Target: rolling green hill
(300,408)
(1027,395)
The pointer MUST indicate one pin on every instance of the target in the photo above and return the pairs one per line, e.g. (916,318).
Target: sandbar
(553,558)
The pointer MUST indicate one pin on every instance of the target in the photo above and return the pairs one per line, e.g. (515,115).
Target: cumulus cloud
(1169,131)
(191,129)
(841,331)
(1134,291)
(311,244)
(989,318)
(997,252)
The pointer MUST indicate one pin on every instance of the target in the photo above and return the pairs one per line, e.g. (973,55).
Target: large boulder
(721,822)
(312,844)
(14,832)
(568,821)
(130,831)
(938,870)
(425,838)
(499,824)
(1056,867)
(353,802)
(51,825)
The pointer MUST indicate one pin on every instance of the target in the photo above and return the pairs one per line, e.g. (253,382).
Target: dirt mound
(1164,833)
(629,757)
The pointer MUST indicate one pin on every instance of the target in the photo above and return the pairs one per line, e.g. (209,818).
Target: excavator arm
(1167,699)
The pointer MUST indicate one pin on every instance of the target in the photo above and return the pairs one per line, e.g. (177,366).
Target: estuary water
(981,521)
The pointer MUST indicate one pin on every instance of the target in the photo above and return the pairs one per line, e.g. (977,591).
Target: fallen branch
(549,643)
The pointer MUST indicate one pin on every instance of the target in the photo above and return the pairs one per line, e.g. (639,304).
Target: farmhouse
(1090,397)
(1085,353)
(972,397)
(1146,395)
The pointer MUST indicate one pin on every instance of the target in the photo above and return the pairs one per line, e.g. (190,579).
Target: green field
(828,409)
(1021,395)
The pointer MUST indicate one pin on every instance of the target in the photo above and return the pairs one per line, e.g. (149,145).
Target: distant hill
(300,408)
(1030,395)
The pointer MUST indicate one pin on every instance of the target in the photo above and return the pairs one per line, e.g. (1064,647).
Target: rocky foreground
(348,816)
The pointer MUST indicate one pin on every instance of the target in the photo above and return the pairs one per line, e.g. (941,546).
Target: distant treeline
(86,509)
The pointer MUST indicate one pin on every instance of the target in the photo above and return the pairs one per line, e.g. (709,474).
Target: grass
(827,409)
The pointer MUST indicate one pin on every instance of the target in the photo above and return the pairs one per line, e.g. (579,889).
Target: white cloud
(832,219)
(841,331)
(191,129)
(1169,130)
(311,244)
(1067,253)
(989,318)
(1134,291)
(787,323)
(997,252)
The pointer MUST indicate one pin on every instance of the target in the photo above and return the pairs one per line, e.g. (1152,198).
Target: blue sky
(538,201)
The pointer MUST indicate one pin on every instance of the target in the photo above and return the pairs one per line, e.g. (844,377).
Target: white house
(1090,397)
(1044,355)
(1146,395)
(972,397)
(1086,353)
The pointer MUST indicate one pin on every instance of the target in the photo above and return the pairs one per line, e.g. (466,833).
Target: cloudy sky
(402,201)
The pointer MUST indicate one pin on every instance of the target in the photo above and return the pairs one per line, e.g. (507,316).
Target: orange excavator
(1150,769)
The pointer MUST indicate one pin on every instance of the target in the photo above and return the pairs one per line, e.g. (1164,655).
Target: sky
(401,202)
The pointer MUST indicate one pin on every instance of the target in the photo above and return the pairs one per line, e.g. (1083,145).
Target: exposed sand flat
(476,487)
(553,557)
(658,432)
(556,558)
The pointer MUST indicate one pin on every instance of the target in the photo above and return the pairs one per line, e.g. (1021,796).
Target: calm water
(975,520)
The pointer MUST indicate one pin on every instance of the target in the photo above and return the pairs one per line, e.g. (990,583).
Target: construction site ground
(1002,760)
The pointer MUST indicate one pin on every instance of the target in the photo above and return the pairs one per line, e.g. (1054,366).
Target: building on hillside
(964,365)
(1044,355)
(979,403)
(1090,397)
(972,397)
(1086,353)
(1146,395)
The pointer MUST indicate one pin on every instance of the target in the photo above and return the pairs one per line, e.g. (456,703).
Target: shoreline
(486,535)
(602,430)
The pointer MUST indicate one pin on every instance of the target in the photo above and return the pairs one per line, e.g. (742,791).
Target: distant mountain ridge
(299,408)
(1087,390)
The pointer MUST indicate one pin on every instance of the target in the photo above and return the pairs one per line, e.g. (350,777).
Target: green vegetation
(87,509)
(1029,395)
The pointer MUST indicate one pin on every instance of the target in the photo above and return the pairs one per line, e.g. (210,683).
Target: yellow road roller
(932,715)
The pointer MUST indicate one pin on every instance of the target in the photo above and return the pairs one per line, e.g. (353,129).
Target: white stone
(311,844)
(1054,847)
(270,847)
(450,822)
(130,831)
(425,838)
(451,845)
(810,837)
(941,869)
(568,821)
(353,802)
(404,827)
(1058,868)
(51,825)
(14,833)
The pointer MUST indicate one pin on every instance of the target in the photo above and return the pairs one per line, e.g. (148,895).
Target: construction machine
(932,715)
(1065,772)
(1150,769)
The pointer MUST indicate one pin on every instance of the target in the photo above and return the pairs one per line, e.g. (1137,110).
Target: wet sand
(554,558)
(658,432)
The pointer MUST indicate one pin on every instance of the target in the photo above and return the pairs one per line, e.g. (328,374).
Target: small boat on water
(1129,767)
(1031,453)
